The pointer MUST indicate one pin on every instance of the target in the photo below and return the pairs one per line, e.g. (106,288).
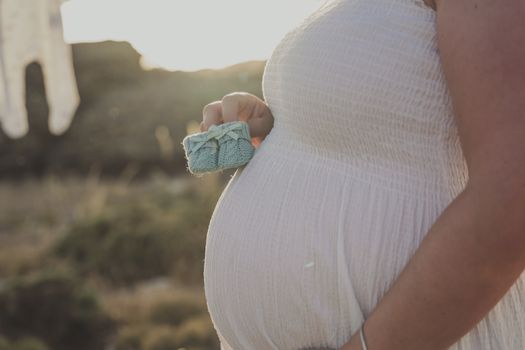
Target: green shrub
(56,308)
(29,344)
(26,343)
(143,237)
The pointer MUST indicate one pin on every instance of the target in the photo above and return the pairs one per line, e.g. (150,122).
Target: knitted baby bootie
(235,145)
(201,153)
(223,146)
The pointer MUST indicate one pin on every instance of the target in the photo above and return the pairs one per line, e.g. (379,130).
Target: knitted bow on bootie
(223,146)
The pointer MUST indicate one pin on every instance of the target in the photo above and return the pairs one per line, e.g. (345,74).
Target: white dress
(363,157)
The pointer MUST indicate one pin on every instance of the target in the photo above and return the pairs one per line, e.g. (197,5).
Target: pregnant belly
(298,252)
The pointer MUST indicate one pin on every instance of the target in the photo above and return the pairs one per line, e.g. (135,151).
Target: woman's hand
(241,106)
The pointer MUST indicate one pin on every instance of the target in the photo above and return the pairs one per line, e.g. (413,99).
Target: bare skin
(475,251)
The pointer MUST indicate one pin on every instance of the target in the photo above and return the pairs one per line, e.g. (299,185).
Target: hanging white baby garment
(31,30)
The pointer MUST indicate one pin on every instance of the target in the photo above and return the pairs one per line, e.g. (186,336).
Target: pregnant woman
(387,188)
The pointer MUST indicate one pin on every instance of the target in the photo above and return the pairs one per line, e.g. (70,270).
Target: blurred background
(102,228)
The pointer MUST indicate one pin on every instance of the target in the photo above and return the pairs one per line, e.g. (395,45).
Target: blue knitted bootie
(235,145)
(201,153)
(222,146)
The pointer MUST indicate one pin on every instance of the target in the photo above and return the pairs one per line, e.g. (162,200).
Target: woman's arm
(475,251)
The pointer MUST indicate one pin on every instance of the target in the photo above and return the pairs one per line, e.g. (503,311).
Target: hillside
(125,115)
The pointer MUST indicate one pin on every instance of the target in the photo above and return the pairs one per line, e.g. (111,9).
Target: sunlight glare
(187,34)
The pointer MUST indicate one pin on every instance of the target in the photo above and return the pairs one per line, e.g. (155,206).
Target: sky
(187,34)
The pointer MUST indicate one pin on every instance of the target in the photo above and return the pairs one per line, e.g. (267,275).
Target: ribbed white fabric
(363,158)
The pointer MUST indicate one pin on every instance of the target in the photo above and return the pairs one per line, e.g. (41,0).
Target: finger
(234,107)
(261,125)
(211,114)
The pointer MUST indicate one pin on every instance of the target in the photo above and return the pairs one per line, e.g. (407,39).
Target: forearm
(471,256)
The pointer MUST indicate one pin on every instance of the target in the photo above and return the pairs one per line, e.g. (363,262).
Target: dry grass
(34,215)
(134,305)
